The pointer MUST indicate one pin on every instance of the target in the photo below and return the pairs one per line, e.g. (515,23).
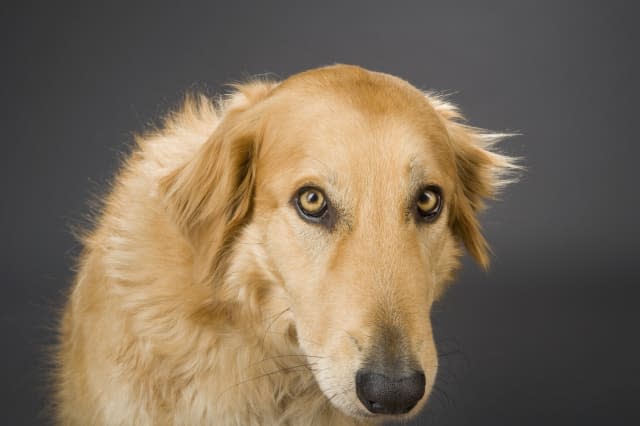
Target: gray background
(549,336)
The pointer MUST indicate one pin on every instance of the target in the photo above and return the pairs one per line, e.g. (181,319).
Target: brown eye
(311,202)
(429,202)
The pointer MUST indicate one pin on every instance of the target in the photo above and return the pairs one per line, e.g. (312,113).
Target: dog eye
(311,203)
(429,203)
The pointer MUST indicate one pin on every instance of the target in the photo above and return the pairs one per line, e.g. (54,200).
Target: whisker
(327,403)
(444,394)
(450,353)
(436,402)
(287,356)
(277,316)
(270,373)
(299,338)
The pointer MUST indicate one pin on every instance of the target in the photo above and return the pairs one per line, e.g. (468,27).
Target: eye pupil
(312,197)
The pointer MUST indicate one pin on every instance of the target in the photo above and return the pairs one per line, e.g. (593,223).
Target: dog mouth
(360,412)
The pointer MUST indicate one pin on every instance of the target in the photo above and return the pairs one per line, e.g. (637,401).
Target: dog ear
(481,173)
(210,196)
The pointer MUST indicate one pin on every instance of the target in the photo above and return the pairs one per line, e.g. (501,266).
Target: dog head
(347,193)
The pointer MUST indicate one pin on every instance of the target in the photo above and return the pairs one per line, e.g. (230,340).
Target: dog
(272,258)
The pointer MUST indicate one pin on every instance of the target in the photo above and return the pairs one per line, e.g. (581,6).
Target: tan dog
(274,260)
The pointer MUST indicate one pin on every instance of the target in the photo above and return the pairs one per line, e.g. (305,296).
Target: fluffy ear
(210,196)
(481,173)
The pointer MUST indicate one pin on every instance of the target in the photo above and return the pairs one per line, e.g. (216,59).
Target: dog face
(357,189)
(356,186)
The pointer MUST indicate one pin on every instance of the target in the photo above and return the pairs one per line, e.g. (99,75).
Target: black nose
(389,395)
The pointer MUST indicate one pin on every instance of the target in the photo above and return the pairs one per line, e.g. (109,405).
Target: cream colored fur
(202,298)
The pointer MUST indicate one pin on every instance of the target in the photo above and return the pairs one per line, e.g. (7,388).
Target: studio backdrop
(548,336)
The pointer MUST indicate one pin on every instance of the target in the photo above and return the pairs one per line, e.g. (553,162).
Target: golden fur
(202,297)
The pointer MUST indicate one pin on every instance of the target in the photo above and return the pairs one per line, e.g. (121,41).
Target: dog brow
(326,171)
(416,175)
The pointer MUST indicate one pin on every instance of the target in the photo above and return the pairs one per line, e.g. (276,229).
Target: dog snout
(389,394)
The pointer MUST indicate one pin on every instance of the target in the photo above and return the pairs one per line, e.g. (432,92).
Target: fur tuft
(482,173)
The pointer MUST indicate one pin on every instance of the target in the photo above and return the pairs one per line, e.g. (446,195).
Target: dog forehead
(364,90)
(366,126)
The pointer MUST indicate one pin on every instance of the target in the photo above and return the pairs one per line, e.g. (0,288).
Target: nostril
(381,394)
